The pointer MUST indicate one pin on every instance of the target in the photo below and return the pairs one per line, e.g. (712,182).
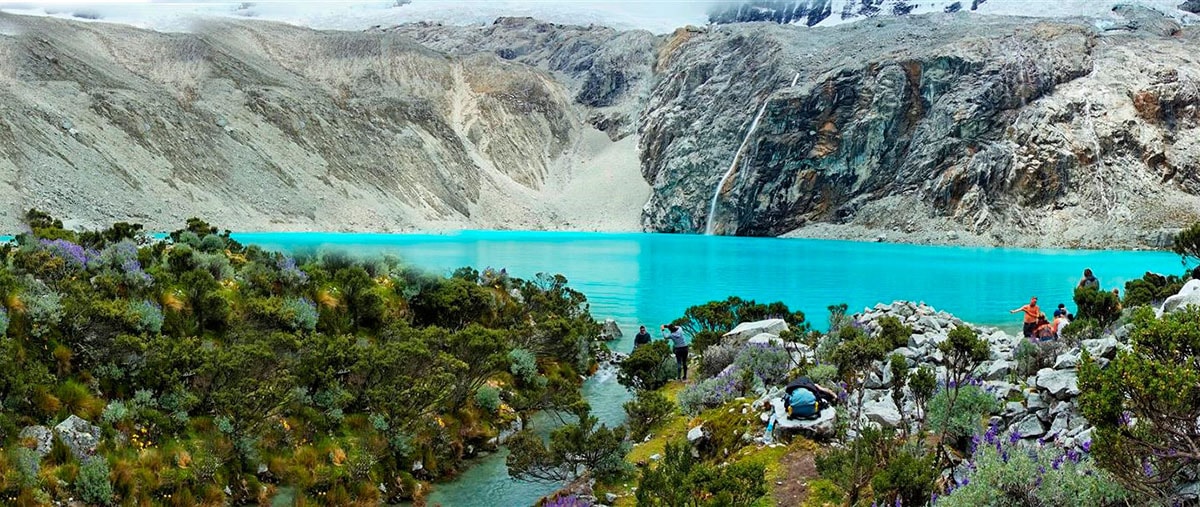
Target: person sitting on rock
(1089,281)
(805,399)
(1031,311)
(1059,323)
(1045,330)
(1061,311)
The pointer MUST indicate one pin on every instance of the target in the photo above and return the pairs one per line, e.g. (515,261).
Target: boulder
(1013,409)
(1000,390)
(1034,401)
(1066,361)
(1180,301)
(1061,384)
(695,434)
(998,370)
(822,426)
(610,330)
(882,411)
(1101,347)
(746,330)
(79,436)
(765,339)
(1029,427)
(42,437)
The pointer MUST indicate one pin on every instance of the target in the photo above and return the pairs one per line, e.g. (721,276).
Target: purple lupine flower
(1041,469)
(932,498)
(965,481)
(898,502)
(974,443)
(1087,446)
(1126,418)
(1074,455)
(1056,463)
(68,251)
(1014,437)
(990,436)
(1146,468)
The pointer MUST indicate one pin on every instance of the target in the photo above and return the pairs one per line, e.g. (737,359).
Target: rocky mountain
(269,126)
(940,128)
(930,129)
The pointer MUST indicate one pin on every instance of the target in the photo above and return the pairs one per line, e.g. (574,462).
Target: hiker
(1061,311)
(680,343)
(1059,323)
(1088,281)
(805,399)
(1117,294)
(1045,330)
(642,338)
(1031,316)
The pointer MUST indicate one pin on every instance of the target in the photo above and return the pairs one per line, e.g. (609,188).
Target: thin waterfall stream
(710,223)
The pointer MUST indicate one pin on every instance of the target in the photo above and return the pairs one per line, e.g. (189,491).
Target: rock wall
(930,129)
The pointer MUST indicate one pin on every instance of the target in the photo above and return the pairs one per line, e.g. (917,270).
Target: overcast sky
(660,16)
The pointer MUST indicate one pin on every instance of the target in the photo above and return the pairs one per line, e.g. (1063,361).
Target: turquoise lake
(650,279)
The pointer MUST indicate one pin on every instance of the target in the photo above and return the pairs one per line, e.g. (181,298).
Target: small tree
(1187,242)
(573,449)
(855,357)
(649,367)
(922,382)
(1145,404)
(680,480)
(898,367)
(963,350)
(1099,305)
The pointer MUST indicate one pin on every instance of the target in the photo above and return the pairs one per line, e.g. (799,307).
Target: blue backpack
(802,404)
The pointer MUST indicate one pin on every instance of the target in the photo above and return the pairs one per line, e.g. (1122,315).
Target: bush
(3,322)
(522,365)
(646,412)
(487,398)
(92,484)
(148,316)
(300,314)
(709,393)
(770,363)
(1031,357)
(1004,467)
(115,412)
(702,340)
(893,333)
(1081,329)
(972,405)
(680,480)
(716,358)
(1151,289)
(823,374)
(1098,305)
(648,367)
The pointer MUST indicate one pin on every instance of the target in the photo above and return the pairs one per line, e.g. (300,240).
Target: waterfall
(712,205)
(737,156)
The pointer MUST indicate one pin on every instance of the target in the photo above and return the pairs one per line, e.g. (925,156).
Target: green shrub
(300,314)
(1081,329)
(1151,289)
(1187,242)
(522,365)
(648,367)
(970,409)
(1025,475)
(709,393)
(769,362)
(93,484)
(115,412)
(823,374)
(1031,357)
(893,333)
(702,340)
(3,322)
(908,477)
(148,316)
(1098,305)
(680,480)
(646,412)
(487,398)
(716,358)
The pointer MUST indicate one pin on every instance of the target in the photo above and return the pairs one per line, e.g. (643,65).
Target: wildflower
(1147,469)
(1014,437)
(1056,463)
(1087,446)
(1127,418)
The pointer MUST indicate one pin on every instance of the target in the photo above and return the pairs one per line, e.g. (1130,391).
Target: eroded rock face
(1011,132)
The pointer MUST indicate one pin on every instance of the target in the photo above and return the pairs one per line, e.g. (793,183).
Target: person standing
(642,338)
(1089,281)
(1032,312)
(680,343)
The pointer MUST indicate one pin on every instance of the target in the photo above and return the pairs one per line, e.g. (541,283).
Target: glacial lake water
(651,278)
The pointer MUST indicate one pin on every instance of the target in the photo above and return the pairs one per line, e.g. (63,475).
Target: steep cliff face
(930,129)
(260,125)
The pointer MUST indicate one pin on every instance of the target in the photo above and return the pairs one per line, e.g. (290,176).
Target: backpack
(802,404)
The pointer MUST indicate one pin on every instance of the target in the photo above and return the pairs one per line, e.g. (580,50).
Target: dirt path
(797,468)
